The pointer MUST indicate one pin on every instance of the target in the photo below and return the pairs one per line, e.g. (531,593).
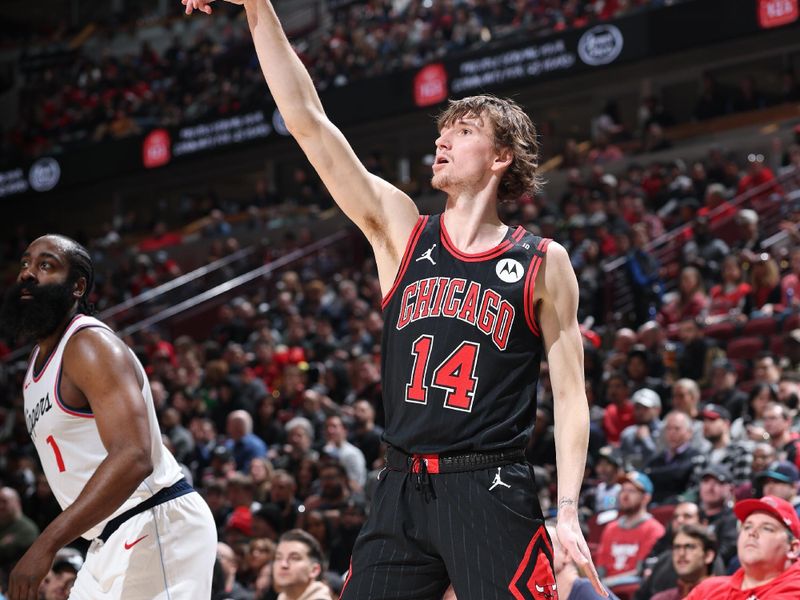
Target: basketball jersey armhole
(409,251)
(530,284)
(71,410)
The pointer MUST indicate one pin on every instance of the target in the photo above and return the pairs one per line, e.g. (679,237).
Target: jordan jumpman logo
(497,481)
(427,255)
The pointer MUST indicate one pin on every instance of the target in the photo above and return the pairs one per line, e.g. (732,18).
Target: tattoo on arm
(566,502)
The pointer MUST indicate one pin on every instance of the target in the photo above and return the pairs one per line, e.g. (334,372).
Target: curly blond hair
(513,129)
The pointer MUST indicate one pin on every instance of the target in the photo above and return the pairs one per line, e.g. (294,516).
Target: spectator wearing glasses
(694,549)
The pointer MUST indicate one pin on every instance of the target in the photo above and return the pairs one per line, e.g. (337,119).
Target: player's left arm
(98,364)
(557,291)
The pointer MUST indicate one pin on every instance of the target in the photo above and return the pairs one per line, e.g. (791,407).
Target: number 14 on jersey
(455,375)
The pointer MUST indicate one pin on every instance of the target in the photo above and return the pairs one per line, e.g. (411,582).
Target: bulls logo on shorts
(534,579)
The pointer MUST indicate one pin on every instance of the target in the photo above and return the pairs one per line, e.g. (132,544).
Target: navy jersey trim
(410,245)
(530,283)
(87,412)
(502,247)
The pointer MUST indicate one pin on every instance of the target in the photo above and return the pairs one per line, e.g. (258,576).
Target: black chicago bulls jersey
(461,345)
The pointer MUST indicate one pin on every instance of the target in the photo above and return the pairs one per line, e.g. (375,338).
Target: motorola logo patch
(509,270)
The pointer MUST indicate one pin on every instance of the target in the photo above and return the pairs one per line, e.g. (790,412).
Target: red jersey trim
(37,378)
(530,283)
(512,587)
(481,256)
(410,245)
(347,579)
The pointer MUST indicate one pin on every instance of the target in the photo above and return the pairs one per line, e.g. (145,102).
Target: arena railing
(196,299)
(767,199)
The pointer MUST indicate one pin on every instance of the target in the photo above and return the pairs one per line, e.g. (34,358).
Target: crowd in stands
(71,96)
(276,413)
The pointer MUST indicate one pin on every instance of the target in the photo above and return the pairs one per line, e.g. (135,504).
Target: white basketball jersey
(67,439)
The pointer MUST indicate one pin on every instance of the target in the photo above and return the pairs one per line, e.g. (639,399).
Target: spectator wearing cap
(619,408)
(671,469)
(626,541)
(779,480)
(694,549)
(728,296)
(662,576)
(608,467)
(58,583)
(716,502)
(638,442)
(724,377)
(768,550)
(735,456)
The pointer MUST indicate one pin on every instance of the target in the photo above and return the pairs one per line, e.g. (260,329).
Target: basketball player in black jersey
(470,307)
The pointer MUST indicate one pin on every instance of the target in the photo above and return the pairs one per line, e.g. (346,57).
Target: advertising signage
(521,62)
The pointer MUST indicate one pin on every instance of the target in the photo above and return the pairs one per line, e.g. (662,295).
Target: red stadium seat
(744,348)
(663,513)
(791,322)
(722,331)
(762,326)
(776,345)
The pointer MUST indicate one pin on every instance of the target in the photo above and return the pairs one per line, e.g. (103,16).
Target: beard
(38,316)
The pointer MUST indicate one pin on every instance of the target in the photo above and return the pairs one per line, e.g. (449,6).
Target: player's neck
(473,224)
(48,344)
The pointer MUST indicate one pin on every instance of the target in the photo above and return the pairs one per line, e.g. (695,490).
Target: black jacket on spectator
(725,526)
(671,475)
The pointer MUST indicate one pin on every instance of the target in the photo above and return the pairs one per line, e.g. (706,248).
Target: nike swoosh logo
(133,543)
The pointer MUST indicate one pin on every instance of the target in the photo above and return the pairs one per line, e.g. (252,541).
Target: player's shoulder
(93,342)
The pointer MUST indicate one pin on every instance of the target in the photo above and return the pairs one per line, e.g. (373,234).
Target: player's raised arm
(384,213)
(562,339)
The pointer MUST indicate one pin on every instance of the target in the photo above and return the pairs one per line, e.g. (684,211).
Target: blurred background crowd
(686,247)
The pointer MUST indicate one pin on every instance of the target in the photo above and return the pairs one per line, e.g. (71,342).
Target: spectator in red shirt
(691,299)
(628,540)
(768,549)
(758,174)
(730,294)
(619,411)
(716,206)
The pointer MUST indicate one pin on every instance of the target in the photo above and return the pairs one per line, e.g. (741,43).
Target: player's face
(43,294)
(465,152)
(763,541)
(292,566)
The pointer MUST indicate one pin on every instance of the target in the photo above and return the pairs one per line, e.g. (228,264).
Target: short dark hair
(80,265)
(704,535)
(308,540)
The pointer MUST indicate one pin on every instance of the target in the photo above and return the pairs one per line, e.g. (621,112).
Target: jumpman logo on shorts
(427,255)
(497,481)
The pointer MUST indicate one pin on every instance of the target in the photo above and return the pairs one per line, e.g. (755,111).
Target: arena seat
(744,348)
(722,331)
(760,326)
